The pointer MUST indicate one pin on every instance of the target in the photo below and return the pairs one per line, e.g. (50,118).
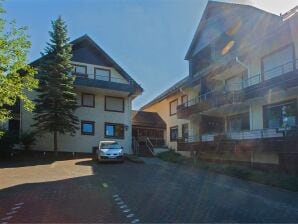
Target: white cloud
(274,6)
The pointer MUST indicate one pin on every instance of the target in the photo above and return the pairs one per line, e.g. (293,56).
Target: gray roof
(226,6)
(86,40)
(172,90)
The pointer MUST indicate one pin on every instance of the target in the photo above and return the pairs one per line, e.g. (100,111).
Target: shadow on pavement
(34,158)
(74,200)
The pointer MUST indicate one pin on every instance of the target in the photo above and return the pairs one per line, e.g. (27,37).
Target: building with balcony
(239,100)
(104,94)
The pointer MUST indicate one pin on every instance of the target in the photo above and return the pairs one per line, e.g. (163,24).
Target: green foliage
(134,158)
(56,103)
(27,139)
(16,77)
(171,156)
(8,140)
(276,179)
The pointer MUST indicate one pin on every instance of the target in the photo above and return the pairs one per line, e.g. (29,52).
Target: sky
(147,38)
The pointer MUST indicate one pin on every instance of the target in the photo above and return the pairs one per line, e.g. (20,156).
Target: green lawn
(276,179)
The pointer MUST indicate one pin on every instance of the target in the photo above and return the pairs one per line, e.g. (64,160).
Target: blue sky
(148,38)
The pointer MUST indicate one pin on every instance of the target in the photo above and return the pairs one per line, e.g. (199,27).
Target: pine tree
(56,102)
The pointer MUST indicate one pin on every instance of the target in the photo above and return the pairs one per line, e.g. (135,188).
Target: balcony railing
(101,78)
(233,92)
(272,140)
(242,135)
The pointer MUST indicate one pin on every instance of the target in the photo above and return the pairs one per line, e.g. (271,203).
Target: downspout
(242,64)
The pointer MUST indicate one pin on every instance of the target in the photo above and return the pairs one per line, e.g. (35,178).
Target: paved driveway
(82,191)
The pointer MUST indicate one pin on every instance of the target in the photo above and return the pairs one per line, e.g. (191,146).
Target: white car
(109,151)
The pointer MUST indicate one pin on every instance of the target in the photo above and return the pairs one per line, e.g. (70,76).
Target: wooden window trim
(265,117)
(174,127)
(104,69)
(87,122)
(82,100)
(114,124)
(123,104)
(171,107)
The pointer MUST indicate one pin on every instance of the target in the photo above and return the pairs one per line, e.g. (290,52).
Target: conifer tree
(56,102)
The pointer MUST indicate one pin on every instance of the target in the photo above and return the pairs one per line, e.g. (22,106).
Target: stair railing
(136,146)
(149,145)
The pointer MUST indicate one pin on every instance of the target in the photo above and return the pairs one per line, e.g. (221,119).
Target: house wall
(79,142)
(293,23)
(163,109)
(84,143)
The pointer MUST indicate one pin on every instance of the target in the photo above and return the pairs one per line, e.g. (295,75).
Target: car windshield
(110,145)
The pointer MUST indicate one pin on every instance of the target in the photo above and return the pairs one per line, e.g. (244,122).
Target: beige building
(104,94)
(240,99)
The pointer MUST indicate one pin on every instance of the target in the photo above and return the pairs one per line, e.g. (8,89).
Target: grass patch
(275,179)
(171,156)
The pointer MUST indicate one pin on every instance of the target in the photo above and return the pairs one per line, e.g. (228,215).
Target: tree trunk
(55,143)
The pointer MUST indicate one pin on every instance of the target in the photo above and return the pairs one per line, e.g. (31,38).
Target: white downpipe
(242,64)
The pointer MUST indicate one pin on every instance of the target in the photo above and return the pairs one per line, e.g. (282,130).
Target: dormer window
(102,74)
(80,69)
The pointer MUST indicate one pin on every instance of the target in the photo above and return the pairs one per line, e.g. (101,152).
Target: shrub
(27,139)
(171,156)
(8,140)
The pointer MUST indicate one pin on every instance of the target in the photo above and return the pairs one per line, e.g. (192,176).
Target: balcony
(275,140)
(104,82)
(208,101)
(281,77)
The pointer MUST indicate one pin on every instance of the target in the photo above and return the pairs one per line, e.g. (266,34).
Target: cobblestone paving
(83,191)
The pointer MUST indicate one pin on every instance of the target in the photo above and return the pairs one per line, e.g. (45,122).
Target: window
(173,133)
(282,115)
(81,69)
(102,74)
(236,82)
(185,131)
(278,62)
(184,99)
(87,127)
(239,122)
(114,104)
(114,130)
(173,107)
(88,100)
